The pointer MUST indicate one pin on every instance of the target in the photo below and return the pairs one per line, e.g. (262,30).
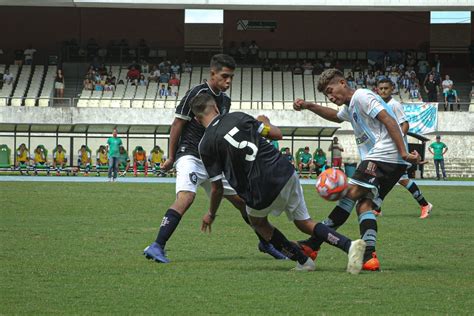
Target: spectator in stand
(267,65)
(327,61)
(404,82)
(436,76)
(336,150)
(243,51)
(415,90)
(175,67)
(318,67)
(360,80)
(109,86)
(142,81)
(133,74)
(350,80)
(187,66)
(370,81)
(29,53)
(164,66)
(59,83)
(174,84)
(163,92)
(164,77)
(320,161)
(8,77)
(297,69)
(437,63)
(232,50)
(98,87)
(144,67)
(307,68)
(88,85)
(394,76)
(451,98)
(423,67)
(431,88)
(253,51)
(154,74)
(446,83)
(18,57)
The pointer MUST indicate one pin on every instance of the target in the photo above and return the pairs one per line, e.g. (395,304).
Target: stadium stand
(7,89)
(21,85)
(48,87)
(35,86)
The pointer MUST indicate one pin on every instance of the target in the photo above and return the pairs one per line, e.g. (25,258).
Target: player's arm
(394,132)
(175,133)
(323,111)
(405,126)
(268,130)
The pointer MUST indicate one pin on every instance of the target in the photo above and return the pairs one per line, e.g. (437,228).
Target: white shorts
(290,200)
(191,173)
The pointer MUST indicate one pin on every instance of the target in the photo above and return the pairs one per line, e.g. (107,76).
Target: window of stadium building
(450,17)
(192,16)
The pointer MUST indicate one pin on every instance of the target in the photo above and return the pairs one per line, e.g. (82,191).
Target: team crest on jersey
(355,117)
(193,177)
(371,169)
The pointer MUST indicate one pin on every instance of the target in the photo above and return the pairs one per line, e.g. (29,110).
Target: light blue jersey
(372,138)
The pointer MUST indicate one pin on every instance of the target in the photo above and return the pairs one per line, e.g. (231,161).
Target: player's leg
(441,162)
(134,168)
(146,167)
(263,245)
(436,162)
(281,243)
(415,191)
(188,178)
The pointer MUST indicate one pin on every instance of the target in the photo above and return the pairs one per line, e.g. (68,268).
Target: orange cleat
(313,254)
(372,264)
(426,210)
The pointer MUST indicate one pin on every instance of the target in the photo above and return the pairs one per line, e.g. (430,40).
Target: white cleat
(307,266)
(355,256)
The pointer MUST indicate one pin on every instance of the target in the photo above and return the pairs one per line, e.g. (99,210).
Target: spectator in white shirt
(29,52)
(446,83)
(7,77)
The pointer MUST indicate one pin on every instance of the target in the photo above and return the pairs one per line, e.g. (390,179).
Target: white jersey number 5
(241,145)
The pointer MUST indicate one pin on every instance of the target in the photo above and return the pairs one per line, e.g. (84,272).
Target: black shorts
(380,175)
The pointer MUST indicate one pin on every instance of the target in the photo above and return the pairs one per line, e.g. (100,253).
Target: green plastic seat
(5,160)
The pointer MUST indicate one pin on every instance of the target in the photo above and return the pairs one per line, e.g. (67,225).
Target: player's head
(334,86)
(60,148)
(114,132)
(222,71)
(438,138)
(204,108)
(306,149)
(122,149)
(385,88)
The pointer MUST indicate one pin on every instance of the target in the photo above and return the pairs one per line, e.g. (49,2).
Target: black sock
(246,219)
(337,217)
(286,247)
(416,193)
(368,232)
(168,224)
(332,237)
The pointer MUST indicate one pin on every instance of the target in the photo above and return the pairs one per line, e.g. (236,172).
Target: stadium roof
(293,131)
(267,5)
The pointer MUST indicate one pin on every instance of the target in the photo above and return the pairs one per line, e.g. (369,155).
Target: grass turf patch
(77,248)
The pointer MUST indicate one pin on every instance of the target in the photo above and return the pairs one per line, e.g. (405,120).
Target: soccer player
(124,161)
(59,160)
(22,158)
(234,146)
(384,157)
(185,135)
(156,159)
(385,89)
(139,158)
(101,158)
(40,159)
(306,162)
(84,160)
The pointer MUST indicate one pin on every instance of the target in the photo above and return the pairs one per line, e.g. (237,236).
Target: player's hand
(264,119)
(413,157)
(167,165)
(207,221)
(299,105)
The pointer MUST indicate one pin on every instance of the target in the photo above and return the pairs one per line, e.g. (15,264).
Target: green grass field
(77,248)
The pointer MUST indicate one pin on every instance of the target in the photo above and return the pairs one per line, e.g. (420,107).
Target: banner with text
(423,117)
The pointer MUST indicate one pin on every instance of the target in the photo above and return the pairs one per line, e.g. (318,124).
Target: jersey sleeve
(183,110)
(211,160)
(344,114)
(399,113)
(370,103)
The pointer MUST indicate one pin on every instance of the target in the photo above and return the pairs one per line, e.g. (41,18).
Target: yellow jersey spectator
(101,158)
(59,159)
(40,159)
(22,158)
(156,158)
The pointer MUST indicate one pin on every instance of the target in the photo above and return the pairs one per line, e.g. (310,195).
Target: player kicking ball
(385,89)
(234,146)
(383,153)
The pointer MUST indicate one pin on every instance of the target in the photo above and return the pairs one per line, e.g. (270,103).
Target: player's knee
(364,205)
(184,199)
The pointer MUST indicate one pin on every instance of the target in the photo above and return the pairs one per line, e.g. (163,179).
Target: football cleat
(271,250)
(373,264)
(307,266)
(356,256)
(426,210)
(156,253)
(307,250)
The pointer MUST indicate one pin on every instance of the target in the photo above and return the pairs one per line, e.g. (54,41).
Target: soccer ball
(332,184)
